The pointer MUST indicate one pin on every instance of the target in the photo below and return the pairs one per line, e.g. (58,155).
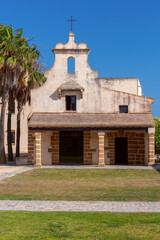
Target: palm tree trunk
(18,134)
(2,121)
(9,138)
(2,147)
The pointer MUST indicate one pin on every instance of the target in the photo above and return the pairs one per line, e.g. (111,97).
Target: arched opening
(71,65)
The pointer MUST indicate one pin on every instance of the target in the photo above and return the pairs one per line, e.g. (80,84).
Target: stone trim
(31,140)
(87,151)
(38,149)
(136,146)
(101,161)
(55,147)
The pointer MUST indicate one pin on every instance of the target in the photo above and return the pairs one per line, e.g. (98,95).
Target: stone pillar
(146,149)
(38,149)
(151,146)
(31,139)
(101,162)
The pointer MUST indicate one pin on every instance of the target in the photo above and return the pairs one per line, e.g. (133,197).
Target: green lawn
(85,226)
(87,185)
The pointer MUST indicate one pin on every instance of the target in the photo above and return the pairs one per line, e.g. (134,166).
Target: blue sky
(123,35)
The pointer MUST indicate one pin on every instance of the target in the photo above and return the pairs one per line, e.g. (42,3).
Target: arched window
(71,65)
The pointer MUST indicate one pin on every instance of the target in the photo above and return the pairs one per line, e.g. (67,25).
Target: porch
(94,147)
(91,138)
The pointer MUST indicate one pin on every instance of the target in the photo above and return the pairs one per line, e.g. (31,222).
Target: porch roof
(70,85)
(90,120)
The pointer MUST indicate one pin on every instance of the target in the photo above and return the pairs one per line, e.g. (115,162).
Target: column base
(101,165)
(37,165)
(151,164)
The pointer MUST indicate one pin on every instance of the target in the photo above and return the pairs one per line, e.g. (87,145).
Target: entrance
(121,151)
(71,147)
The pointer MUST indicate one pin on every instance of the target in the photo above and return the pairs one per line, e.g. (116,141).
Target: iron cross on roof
(71,20)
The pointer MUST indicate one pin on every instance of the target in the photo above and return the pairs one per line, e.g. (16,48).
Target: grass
(87,185)
(86,226)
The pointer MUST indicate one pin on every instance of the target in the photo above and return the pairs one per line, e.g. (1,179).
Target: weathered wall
(128,85)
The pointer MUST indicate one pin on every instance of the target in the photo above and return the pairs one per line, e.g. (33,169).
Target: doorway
(121,151)
(71,147)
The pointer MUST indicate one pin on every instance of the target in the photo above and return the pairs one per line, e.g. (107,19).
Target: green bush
(157,135)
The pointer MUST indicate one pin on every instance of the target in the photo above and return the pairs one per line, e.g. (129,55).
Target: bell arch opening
(71,65)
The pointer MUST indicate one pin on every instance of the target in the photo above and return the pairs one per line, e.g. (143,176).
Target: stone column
(101,161)
(38,149)
(151,146)
(31,139)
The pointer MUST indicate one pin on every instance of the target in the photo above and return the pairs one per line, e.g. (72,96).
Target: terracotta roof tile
(92,120)
(70,85)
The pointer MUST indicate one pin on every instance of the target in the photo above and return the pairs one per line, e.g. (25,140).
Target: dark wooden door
(71,147)
(121,151)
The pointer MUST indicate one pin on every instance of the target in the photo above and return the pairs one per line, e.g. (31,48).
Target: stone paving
(79,206)
(9,171)
(127,167)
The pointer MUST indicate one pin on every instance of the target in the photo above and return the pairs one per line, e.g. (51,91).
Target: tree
(17,57)
(35,79)
(157,135)
(9,136)
(21,93)
(12,47)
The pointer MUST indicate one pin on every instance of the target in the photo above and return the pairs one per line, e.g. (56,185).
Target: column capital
(101,133)
(37,134)
(151,130)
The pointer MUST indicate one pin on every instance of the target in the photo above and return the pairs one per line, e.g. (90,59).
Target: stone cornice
(71,51)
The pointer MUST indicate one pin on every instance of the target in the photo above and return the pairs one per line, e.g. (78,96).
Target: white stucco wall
(94,145)
(45,144)
(24,129)
(98,95)
(128,85)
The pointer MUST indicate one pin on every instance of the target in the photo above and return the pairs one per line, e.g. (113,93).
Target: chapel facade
(78,118)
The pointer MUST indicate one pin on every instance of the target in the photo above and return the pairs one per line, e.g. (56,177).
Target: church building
(78,118)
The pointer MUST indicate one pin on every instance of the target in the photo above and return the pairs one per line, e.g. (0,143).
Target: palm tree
(21,91)
(16,58)
(10,111)
(35,79)
(12,47)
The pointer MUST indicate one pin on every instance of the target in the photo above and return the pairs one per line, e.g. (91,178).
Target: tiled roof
(70,85)
(90,120)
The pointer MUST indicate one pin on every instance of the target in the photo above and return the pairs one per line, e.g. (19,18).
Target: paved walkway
(9,171)
(155,167)
(80,206)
